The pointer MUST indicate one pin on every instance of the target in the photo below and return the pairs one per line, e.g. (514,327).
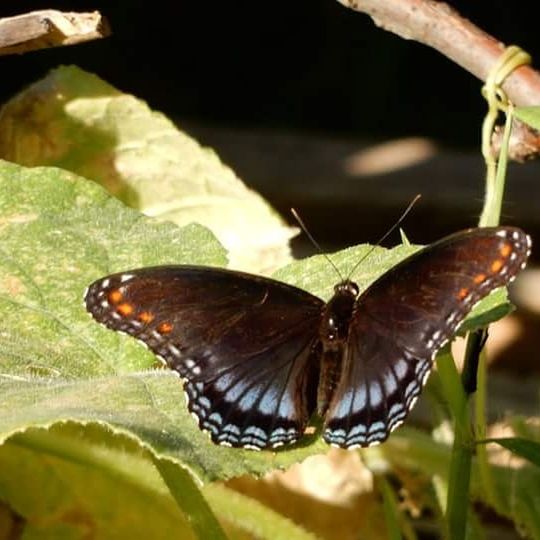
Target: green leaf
(73,479)
(70,482)
(404,240)
(524,448)
(74,120)
(58,233)
(189,499)
(249,515)
(391,509)
(529,115)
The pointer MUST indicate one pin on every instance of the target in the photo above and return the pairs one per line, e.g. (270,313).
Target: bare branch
(436,24)
(49,28)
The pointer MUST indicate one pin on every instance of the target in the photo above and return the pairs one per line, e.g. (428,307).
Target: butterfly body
(259,357)
(333,335)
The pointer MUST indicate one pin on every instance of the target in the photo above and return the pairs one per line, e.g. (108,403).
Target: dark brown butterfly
(260,357)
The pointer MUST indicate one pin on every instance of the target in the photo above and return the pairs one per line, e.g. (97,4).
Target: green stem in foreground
(458,502)
(457,508)
(489,488)
(495,177)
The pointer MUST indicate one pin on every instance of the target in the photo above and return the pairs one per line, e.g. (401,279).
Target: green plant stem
(457,502)
(488,484)
(474,369)
(462,451)
(452,389)
(496,175)
(457,507)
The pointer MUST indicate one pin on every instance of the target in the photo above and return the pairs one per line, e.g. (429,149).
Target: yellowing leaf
(74,120)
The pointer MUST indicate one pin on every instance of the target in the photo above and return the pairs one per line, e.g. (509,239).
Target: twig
(439,26)
(49,28)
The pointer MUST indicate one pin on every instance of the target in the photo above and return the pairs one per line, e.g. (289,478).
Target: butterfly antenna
(386,234)
(315,243)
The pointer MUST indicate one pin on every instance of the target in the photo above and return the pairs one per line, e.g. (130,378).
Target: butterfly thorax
(333,335)
(336,317)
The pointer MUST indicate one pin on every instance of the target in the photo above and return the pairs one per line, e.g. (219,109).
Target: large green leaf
(58,233)
(72,481)
(74,120)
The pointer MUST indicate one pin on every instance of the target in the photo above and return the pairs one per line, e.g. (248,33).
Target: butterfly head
(346,288)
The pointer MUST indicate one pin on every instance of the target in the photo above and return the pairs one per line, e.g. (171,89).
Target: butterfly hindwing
(402,320)
(380,383)
(242,343)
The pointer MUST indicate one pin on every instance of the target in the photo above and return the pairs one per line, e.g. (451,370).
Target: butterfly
(259,357)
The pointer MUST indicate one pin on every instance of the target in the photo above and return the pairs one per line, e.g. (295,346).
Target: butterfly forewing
(242,343)
(423,300)
(404,318)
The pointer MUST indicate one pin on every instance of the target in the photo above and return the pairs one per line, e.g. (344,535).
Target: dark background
(310,70)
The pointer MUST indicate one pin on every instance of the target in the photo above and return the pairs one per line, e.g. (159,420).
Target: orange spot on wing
(125,309)
(496,265)
(462,293)
(479,278)
(505,250)
(165,328)
(145,317)
(115,296)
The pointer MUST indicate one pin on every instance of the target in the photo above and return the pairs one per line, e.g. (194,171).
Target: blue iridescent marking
(396,409)
(223,382)
(360,396)
(231,429)
(412,389)
(390,383)
(375,428)
(344,404)
(268,402)
(215,418)
(375,394)
(248,399)
(401,368)
(255,431)
(359,429)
